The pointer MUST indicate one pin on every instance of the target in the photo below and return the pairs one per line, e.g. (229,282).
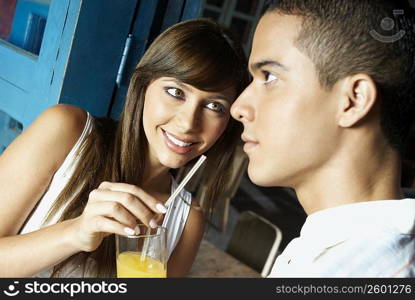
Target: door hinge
(123,60)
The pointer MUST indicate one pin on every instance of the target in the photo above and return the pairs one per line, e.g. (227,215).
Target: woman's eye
(216,107)
(269,77)
(176,93)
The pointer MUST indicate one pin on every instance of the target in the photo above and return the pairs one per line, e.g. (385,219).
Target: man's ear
(359,95)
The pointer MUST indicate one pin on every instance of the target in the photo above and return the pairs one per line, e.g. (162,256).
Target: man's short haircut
(374,37)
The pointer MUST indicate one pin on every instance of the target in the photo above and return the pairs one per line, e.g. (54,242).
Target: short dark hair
(346,37)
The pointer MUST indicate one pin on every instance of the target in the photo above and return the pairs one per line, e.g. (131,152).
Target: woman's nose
(188,118)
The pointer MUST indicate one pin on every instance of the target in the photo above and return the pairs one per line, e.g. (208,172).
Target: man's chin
(259,177)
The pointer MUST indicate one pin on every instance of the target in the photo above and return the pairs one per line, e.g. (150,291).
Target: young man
(327,114)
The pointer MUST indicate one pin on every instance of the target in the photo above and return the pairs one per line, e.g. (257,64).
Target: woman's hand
(114,208)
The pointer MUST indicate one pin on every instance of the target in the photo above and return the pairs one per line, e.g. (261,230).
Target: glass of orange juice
(143,255)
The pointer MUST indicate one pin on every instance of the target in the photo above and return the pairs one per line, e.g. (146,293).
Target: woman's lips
(176,148)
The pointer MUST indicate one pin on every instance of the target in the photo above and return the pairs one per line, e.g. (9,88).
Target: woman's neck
(156,178)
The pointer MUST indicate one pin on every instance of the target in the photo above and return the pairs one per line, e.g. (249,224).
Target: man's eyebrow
(271,63)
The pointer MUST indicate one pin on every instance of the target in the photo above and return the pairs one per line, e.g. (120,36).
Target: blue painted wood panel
(26,15)
(78,61)
(9,130)
(173,13)
(152,18)
(192,9)
(140,31)
(24,77)
(95,55)
(79,58)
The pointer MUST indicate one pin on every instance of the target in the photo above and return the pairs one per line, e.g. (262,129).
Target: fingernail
(153,223)
(161,208)
(128,231)
(137,230)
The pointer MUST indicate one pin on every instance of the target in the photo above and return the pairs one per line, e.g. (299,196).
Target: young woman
(71,181)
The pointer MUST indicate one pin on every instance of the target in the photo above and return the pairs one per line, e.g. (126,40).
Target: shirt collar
(334,225)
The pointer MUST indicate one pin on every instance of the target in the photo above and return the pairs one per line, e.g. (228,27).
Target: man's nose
(242,109)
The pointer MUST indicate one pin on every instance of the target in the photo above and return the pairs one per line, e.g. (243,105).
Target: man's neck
(357,178)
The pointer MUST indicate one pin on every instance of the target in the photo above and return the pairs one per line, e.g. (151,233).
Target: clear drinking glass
(143,255)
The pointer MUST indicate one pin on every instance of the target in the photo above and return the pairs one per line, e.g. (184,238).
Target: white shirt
(365,239)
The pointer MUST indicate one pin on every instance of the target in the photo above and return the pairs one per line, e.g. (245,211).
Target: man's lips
(249,143)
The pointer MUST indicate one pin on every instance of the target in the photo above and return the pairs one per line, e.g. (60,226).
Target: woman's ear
(359,97)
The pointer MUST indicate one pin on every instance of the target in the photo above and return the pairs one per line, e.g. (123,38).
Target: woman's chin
(174,163)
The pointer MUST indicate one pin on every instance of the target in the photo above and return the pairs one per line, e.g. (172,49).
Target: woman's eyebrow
(186,87)
(178,82)
(219,97)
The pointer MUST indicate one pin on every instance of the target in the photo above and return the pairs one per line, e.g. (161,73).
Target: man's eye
(269,77)
(176,93)
(216,107)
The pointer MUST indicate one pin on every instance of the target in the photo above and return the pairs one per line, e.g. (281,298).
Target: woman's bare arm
(27,166)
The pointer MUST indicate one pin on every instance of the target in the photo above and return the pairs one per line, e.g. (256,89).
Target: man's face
(289,119)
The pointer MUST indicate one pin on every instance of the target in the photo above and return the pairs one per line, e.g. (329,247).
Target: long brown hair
(198,52)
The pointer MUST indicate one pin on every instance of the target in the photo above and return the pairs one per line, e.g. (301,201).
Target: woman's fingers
(130,202)
(115,208)
(115,211)
(151,202)
(109,226)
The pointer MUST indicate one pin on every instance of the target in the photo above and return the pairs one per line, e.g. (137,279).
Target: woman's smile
(177,145)
(185,121)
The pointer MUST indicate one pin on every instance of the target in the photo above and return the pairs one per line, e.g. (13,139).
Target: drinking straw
(189,175)
(186,179)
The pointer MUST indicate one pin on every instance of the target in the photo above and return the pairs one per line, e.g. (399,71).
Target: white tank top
(174,219)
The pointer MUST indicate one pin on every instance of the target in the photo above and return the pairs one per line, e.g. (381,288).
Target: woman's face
(181,122)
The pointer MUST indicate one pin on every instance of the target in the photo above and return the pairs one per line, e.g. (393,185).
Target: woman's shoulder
(32,159)
(64,119)
(65,116)
(68,123)
(58,128)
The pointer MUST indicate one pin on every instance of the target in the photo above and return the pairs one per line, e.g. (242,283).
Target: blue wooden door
(24,75)
(78,59)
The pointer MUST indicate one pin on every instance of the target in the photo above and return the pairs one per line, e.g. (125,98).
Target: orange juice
(129,264)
